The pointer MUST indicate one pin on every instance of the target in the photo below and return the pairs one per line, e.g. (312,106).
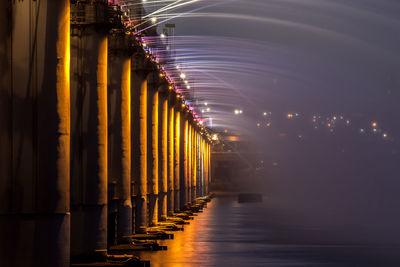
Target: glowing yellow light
(384,135)
(154,19)
(170,87)
(183,75)
(215,137)
(290,115)
(374,124)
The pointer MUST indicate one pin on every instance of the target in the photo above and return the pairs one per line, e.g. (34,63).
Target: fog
(334,66)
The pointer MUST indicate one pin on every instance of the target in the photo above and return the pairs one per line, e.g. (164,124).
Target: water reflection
(232,234)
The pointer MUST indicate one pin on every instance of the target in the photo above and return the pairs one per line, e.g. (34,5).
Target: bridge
(99,144)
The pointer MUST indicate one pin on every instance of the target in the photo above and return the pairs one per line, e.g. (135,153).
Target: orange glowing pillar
(139,118)
(163,156)
(189,163)
(119,99)
(171,155)
(177,159)
(35,133)
(152,133)
(88,141)
(183,162)
(195,186)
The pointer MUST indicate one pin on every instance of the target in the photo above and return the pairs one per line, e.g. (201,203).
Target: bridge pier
(171,155)
(34,133)
(152,146)
(163,155)
(89,141)
(177,157)
(119,107)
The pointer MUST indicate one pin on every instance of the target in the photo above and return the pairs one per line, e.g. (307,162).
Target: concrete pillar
(205,167)
(152,147)
(195,164)
(177,159)
(209,165)
(89,48)
(139,96)
(171,155)
(119,108)
(189,162)
(163,155)
(183,161)
(34,133)
(203,156)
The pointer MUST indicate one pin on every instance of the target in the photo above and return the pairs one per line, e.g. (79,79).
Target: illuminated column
(171,146)
(139,95)
(201,165)
(88,141)
(195,166)
(206,178)
(189,162)
(119,103)
(163,155)
(210,178)
(152,147)
(34,133)
(177,159)
(183,160)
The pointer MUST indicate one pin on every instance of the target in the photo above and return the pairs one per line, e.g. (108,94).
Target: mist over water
(317,58)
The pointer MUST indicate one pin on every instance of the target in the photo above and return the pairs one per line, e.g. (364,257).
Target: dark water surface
(252,234)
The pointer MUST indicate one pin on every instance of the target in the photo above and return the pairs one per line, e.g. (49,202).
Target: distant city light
(205,103)
(265,113)
(374,124)
(183,75)
(384,135)
(188,86)
(154,19)
(162,35)
(240,111)
(362,130)
(236,111)
(258,124)
(290,115)
(215,137)
(208,109)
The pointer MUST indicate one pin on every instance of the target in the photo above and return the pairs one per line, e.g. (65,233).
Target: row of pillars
(91,139)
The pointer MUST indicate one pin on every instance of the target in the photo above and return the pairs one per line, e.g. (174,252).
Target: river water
(228,233)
